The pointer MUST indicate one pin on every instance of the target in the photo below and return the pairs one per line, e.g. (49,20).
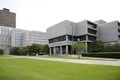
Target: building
(62,35)
(12,37)
(34,37)
(109,32)
(5,39)
(16,37)
(7,18)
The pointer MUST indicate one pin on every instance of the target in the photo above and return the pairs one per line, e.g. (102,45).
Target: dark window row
(58,39)
(92,38)
(91,24)
(76,38)
(91,31)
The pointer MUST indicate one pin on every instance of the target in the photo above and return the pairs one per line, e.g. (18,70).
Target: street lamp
(78,51)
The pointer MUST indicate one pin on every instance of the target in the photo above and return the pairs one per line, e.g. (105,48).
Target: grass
(31,69)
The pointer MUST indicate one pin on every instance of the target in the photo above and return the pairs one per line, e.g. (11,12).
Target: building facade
(109,32)
(16,37)
(5,38)
(12,37)
(7,18)
(34,37)
(64,34)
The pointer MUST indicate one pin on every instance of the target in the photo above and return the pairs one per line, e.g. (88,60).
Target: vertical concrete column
(86,37)
(86,44)
(66,49)
(66,37)
(86,51)
(60,50)
(50,51)
(54,50)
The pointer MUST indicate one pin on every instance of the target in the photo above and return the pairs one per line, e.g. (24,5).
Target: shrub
(103,55)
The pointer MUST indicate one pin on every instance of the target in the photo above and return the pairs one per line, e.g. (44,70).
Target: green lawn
(31,69)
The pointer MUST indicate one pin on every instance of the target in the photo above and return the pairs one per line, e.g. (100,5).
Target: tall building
(7,18)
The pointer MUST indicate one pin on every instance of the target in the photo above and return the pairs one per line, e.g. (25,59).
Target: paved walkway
(101,62)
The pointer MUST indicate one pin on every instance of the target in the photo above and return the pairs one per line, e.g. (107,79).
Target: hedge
(103,55)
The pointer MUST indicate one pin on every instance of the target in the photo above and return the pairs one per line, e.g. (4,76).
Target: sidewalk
(111,63)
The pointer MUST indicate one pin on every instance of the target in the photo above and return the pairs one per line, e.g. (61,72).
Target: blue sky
(41,14)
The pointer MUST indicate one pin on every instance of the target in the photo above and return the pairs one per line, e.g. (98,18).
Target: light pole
(78,50)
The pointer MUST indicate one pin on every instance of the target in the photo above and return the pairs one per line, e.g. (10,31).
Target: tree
(16,51)
(1,51)
(46,49)
(108,47)
(96,46)
(34,49)
(116,47)
(78,47)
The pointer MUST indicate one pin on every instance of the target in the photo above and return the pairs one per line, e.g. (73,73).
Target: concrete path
(114,62)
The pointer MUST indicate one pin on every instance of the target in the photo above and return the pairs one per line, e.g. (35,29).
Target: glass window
(57,39)
(90,24)
(91,31)
(92,38)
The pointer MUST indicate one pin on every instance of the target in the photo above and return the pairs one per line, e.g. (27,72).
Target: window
(90,24)
(75,38)
(57,39)
(91,31)
(92,38)
(119,37)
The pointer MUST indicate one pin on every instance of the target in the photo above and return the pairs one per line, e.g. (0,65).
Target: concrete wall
(62,28)
(81,28)
(108,32)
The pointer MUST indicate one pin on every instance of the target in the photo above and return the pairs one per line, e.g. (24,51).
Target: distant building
(100,22)
(5,38)
(16,37)
(12,37)
(34,37)
(7,18)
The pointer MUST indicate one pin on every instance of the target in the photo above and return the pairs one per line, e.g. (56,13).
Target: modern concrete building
(62,35)
(33,37)
(5,39)
(7,18)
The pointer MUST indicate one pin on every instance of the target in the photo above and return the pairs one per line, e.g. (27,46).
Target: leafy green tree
(78,47)
(24,51)
(16,51)
(1,51)
(108,47)
(46,49)
(116,47)
(96,46)
(34,49)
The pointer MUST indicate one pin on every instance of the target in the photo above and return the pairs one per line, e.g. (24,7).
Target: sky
(41,14)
